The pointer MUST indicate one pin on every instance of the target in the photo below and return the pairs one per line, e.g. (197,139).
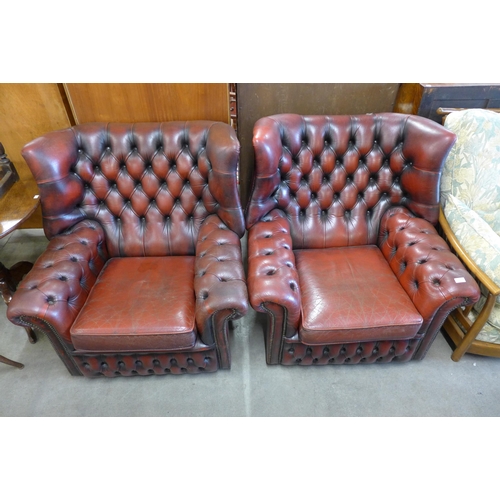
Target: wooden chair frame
(466,342)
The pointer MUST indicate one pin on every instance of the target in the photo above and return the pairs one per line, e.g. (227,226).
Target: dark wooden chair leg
(7,287)
(31,335)
(7,361)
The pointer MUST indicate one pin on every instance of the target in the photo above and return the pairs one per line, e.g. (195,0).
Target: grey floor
(435,386)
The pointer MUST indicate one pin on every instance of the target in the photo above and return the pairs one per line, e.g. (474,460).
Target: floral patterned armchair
(470,219)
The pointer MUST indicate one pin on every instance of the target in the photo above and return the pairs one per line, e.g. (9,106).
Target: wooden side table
(16,205)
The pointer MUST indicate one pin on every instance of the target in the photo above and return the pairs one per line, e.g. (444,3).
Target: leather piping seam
(273,336)
(217,347)
(23,321)
(464,302)
(136,353)
(271,341)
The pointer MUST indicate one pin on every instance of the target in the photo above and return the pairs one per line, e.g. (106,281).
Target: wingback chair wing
(143,271)
(470,218)
(343,254)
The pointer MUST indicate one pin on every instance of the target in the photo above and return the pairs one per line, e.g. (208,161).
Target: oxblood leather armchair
(143,271)
(343,255)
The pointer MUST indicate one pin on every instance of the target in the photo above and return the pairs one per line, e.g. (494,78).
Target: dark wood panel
(256,100)
(148,102)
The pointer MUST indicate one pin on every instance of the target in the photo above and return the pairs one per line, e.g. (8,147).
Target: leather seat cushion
(350,294)
(139,304)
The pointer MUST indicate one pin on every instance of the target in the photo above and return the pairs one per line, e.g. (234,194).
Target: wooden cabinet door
(148,102)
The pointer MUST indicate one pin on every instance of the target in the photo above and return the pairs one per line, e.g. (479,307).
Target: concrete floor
(435,386)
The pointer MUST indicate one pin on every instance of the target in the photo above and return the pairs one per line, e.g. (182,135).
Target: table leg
(9,279)
(10,362)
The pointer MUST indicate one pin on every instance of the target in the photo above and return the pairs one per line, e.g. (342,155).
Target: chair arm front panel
(57,286)
(272,273)
(219,280)
(429,272)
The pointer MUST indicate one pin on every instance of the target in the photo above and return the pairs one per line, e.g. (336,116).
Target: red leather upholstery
(122,301)
(272,273)
(150,185)
(339,311)
(325,182)
(219,278)
(59,283)
(334,177)
(144,190)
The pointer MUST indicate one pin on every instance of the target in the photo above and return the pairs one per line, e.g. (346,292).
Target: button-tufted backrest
(335,176)
(150,185)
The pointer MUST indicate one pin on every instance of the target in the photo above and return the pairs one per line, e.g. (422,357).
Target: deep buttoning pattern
(149,185)
(334,177)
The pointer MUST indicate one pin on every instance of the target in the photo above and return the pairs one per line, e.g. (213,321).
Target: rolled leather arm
(219,279)
(272,273)
(56,288)
(430,273)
